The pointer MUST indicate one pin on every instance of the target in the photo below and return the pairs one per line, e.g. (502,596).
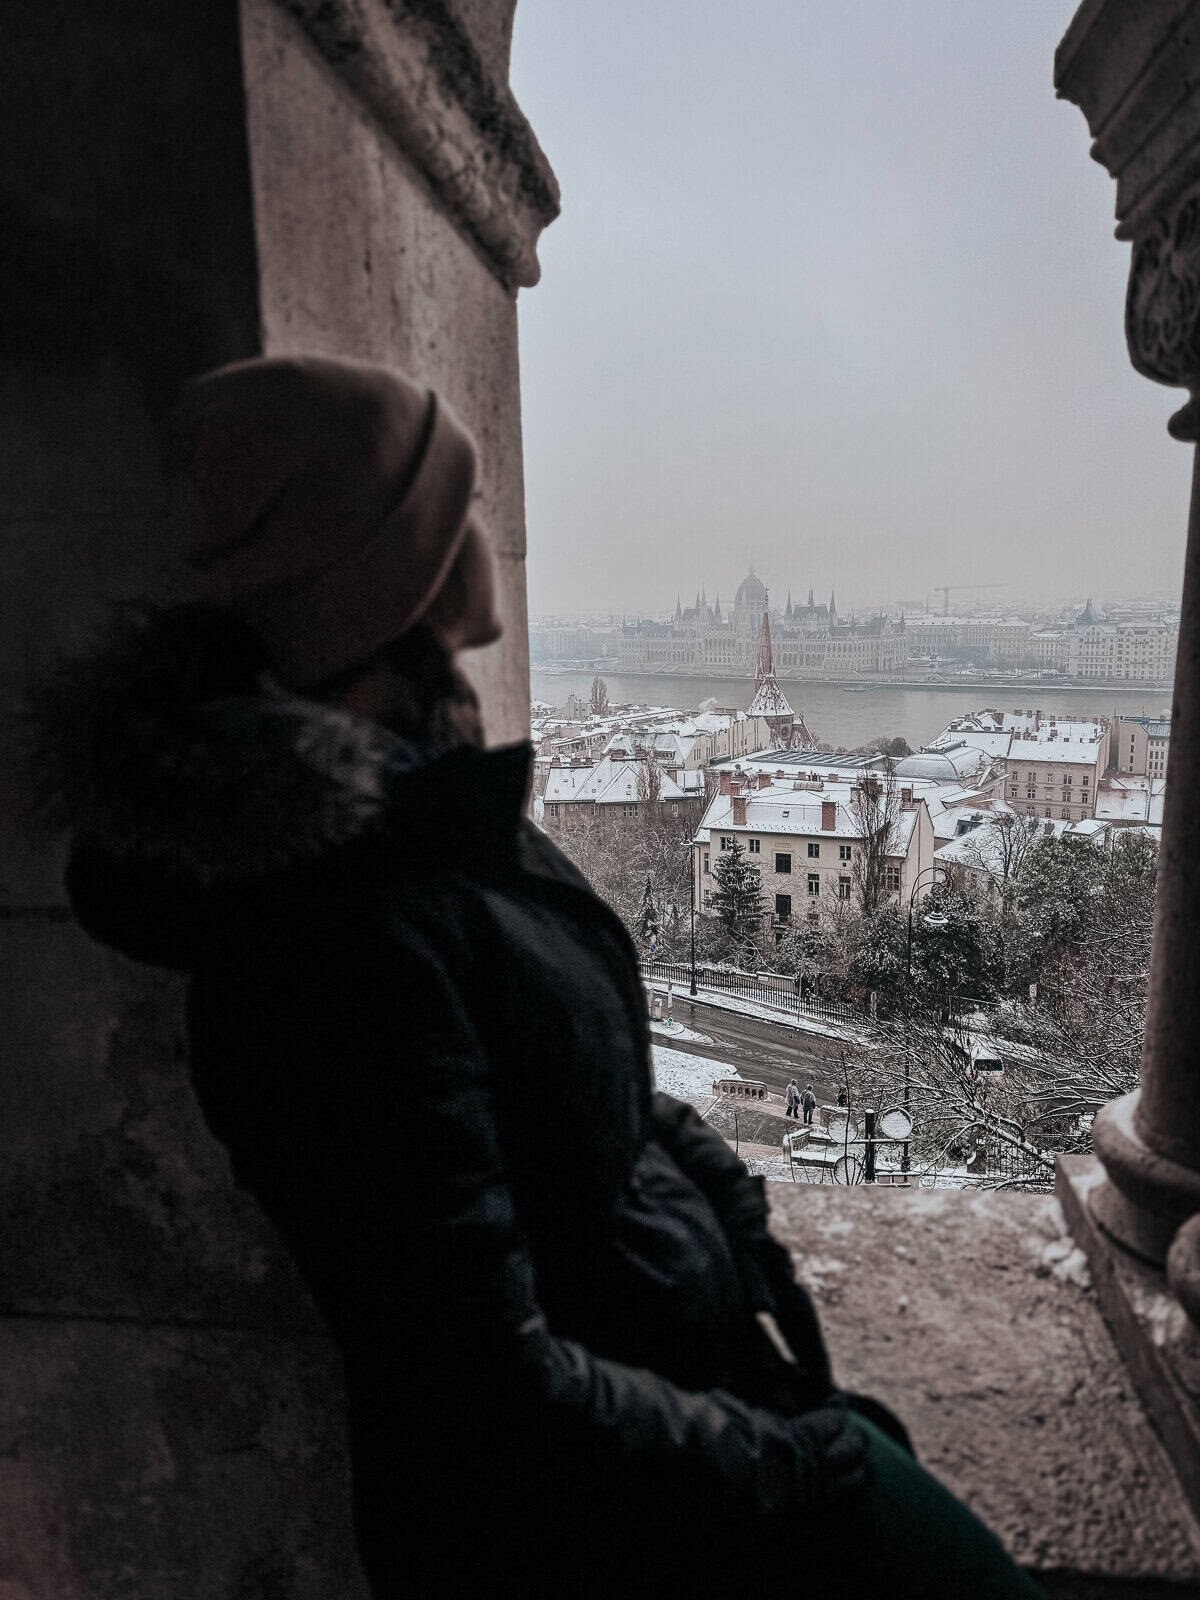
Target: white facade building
(803,836)
(810,641)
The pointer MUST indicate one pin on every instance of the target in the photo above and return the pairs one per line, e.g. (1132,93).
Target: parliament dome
(751,595)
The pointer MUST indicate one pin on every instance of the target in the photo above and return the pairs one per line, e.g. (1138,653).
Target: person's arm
(740,1202)
(488,1328)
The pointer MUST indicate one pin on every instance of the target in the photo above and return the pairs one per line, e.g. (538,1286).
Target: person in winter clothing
(808,1102)
(571,1344)
(792,1105)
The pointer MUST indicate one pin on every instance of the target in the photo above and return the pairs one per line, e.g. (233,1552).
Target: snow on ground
(753,1008)
(775,1169)
(676,1030)
(686,1076)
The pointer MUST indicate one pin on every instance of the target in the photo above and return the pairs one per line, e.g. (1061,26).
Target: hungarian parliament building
(810,641)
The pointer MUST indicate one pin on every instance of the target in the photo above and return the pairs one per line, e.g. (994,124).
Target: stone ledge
(1160,1346)
(419,73)
(973,1315)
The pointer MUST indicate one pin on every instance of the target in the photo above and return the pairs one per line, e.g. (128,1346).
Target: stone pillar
(1134,70)
(182,185)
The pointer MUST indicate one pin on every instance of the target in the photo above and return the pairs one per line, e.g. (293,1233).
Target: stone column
(1134,70)
(184,184)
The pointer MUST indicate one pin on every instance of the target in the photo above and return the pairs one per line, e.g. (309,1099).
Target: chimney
(906,799)
(764,780)
(739,811)
(725,782)
(828,815)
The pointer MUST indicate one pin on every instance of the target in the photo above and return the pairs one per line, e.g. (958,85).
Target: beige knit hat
(326,502)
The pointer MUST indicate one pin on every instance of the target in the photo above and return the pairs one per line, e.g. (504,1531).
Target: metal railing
(765,988)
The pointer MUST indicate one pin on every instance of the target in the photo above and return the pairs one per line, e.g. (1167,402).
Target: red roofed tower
(788,731)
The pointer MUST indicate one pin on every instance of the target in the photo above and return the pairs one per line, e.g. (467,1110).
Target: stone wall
(183,185)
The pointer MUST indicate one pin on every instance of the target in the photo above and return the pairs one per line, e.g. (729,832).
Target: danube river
(845,718)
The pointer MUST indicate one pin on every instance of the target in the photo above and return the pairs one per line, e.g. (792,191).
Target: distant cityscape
(910,642)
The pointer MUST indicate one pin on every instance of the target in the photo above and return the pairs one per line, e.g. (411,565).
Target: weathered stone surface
(973,1316)
(429,73)
(1160,1345)
(184,185)
(357,258)
(142,1462)
(114,1198)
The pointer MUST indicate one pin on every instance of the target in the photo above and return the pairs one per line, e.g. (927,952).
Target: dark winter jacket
(423,1040)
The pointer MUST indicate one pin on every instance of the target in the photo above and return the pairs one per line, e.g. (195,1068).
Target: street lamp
(933,919)
(690,846)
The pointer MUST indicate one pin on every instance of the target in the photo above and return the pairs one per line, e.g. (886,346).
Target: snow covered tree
(738,897)
(875,807)
(649,782)
(648,920)
(599,697)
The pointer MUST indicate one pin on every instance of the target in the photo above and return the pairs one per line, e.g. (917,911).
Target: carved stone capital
(1162,307)
(420,73)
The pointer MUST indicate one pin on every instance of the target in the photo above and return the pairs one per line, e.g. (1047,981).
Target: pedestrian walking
(792,1106)
(561,1313)
(808,1101)
(842,1098)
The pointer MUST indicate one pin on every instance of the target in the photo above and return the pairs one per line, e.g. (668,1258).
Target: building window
(783,907)
(553,810)
(706,866)
(814,851)
(843,852)
(753,846)
(707,896)
(814,883)
(783,861)
(726,842)
(891,880)
(814,917)
(843,888)
(1066,816)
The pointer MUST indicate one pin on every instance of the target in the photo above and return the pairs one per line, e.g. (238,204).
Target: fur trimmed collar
(131,752)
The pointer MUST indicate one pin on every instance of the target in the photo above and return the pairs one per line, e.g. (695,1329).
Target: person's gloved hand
(884,1419)
(836,1447)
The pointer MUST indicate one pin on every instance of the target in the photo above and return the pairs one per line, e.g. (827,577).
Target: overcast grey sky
(834,288)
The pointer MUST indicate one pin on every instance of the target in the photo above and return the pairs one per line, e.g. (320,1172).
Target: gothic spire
(788,609)
(717,611)
(811,602)
(764,667)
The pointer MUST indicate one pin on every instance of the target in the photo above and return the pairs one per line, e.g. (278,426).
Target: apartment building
(805,837)
(1140,745)
(1054,767)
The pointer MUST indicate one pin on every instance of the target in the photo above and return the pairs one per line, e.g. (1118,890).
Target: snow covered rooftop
(782,810)
(986,848)
(1029,735)
(615,782)
(950,762)
(770,700)
(1129,798)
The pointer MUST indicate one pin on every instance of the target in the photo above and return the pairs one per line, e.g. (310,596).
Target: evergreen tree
(599,697)
(647,917)
(738,897)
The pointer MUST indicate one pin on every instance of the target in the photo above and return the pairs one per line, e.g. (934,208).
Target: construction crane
(945,592)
